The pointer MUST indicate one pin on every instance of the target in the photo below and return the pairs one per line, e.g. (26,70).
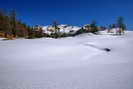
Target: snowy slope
(67,63)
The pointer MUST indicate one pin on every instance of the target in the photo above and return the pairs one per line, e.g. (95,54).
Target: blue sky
(74,12)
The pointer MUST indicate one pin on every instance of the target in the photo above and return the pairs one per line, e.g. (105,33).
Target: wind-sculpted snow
(67,63)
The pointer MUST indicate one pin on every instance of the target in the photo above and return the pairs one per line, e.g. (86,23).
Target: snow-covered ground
(67,63)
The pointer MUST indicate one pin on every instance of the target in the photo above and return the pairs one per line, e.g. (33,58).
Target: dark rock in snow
(107,49)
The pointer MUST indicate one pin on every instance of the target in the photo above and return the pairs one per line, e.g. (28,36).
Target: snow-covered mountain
(62,29)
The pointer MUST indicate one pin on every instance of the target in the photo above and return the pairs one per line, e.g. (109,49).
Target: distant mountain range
(63,28)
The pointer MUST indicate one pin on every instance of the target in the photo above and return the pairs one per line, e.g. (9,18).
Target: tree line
(11,27)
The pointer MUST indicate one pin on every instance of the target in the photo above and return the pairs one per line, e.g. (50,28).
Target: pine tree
(121,24)
(31,32)
(5,23)
(93,26)
(13,21)
(56,29)
(7,26)
(2,18)
(82,30)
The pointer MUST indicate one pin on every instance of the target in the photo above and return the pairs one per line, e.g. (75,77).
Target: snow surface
(67,63)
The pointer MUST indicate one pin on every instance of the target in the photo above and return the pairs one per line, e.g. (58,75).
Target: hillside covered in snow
(68,29)
(68,63)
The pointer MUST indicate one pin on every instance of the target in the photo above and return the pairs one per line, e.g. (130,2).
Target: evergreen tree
(121,24)
(82,30)
(2,19)
(7,26)
(21,29)
(56,30)
(31,32)
(13,21)
(5,23)
(93,26)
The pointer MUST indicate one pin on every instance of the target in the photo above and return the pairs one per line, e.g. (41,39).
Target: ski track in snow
(67,63)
